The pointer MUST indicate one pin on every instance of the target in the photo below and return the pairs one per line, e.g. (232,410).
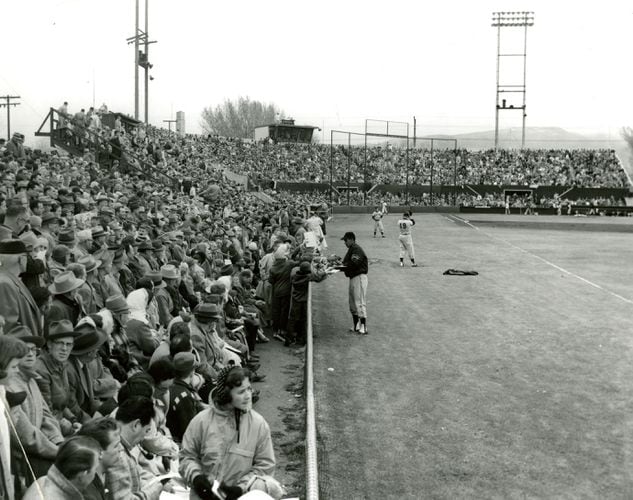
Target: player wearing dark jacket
(355,266)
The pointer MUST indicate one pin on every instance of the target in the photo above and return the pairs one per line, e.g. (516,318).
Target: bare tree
(238,118)
(627,135)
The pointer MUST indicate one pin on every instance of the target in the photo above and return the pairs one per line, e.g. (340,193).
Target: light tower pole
(511,20)
(141,58)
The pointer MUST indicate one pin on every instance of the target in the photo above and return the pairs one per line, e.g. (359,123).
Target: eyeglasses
(34,350)
(67,345)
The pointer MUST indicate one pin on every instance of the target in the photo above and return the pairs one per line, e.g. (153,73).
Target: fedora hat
(145,245)
(49,217)
(65,282)
(60,329)
(97,232)
(157,245)
(67,236)
(25,334)
(157,279)
(88,338)
(170,272)
(205,313)
(117,304)
(89,262)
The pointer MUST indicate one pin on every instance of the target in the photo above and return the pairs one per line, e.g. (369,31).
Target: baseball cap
(349,236)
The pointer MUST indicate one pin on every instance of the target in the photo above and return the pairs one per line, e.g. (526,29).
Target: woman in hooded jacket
(143,340)
(229,442)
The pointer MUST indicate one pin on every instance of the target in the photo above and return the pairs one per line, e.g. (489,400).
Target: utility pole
(8,105)
(169,122)
(414,133)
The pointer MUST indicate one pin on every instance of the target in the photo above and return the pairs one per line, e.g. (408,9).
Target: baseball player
(355,266)
(406,243)
(384,208)
(377,216)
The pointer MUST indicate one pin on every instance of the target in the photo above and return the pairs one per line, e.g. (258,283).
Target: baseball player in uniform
(377,216)
(355,266)
(406,243)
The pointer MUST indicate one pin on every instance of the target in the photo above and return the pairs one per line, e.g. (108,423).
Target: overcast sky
(327,62)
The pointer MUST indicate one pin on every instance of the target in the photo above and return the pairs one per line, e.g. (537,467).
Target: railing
(73,143)
(312,473)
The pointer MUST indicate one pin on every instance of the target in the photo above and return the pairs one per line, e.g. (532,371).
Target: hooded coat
(143,342)
(228,447)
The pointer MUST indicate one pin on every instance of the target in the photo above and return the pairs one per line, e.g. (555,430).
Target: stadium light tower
(141,58)
(521,19)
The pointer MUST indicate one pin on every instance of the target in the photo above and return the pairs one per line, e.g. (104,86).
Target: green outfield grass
(517,383)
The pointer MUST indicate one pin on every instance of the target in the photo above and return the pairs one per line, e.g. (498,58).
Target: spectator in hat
(98,239)
(132,262)
(158,254)
(122,273)
(15,220)
(16,302)
(15,146)
(35,274)
(52,368)
(60,259)
(84,244)
(143,341)
(144,257)
(88,341)
(184,401)
(205,341)
(279,278)
(230,420)
(67,302)
(67,238)
(72,473)
(37,429)
(121,346)
(50,228)
(164,301)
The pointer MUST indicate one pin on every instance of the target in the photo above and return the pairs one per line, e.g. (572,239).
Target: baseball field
(516,383)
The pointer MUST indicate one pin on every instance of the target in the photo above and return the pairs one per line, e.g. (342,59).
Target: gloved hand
(231,492)
(202,486)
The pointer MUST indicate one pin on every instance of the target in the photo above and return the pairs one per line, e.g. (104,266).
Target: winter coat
(228,446)
(54,486)
(55,387)
(279,277)
(17,305)
(36,426)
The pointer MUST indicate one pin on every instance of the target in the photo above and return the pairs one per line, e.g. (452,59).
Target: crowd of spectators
(292,162)
(131,306)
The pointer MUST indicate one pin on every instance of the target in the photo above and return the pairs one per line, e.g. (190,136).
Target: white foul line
(555,266)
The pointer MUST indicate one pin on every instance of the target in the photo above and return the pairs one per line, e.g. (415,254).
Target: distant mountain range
(536,137)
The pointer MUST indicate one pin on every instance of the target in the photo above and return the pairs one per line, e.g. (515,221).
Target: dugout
(285,131)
